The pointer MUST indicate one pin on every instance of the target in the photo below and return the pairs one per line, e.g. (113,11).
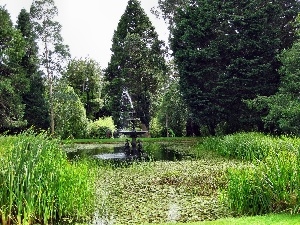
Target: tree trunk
(50,81)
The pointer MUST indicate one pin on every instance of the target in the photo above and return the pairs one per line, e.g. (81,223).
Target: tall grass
(272,183)
(38,184)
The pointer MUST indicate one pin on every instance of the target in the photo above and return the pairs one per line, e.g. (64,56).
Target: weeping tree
(137,64)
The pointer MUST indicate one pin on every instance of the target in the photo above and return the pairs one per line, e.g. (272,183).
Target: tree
(167,9)
(70,114)
(54,53)
(85,76)
(283,114)
(137,64)
(13,83)
(226,53)
(173,111)
(36,111)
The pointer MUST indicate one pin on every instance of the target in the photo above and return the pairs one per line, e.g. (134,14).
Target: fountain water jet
(133,149)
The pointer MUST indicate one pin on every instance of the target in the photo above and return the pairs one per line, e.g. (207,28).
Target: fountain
(133,149)
(136,148)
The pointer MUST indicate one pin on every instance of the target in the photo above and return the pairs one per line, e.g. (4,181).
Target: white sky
(88,25)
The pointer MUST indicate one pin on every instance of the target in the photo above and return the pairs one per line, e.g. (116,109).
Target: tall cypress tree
(137,63)
(36,111)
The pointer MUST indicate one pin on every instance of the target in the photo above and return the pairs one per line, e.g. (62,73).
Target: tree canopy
(54,53)
(13,82)
(226,53)
(85,76)
(137,63)
(36,110)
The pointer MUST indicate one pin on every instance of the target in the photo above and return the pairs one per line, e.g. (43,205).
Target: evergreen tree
(53,53)
(36,111)
(283,114)
(13,83)
(137,63)
(226,53)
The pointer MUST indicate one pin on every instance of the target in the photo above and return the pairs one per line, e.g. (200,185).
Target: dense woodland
(229,66)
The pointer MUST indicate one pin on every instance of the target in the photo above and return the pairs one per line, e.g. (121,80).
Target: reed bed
(39,185)
(271,182)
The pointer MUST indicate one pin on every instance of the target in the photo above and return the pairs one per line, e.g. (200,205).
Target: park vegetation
(232,80)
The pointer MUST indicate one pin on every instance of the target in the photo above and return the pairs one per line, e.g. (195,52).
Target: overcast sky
(88,25)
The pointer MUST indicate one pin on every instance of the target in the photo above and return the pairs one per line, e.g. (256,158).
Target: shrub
(101,127)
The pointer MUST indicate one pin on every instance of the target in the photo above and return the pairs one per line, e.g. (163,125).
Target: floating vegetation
(163,191)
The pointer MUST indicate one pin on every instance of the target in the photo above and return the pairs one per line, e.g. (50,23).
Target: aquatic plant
(38,183)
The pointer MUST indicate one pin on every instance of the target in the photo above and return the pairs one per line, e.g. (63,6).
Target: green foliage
(225,48)
(85,76)
(155,128)
(70,115)
(36,109)
(13,83)
(271,186)
(157,192)
(101,128)
(136,64)
(39,185)
(283,113)
(249,146)
(172,113)
(270,183)
(53,53)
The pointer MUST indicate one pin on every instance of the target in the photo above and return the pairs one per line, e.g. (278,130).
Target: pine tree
(137,63)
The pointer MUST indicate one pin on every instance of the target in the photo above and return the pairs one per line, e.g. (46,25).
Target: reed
(38,184)
(271,184)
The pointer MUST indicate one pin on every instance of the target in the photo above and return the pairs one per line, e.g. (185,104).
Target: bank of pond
(49,181)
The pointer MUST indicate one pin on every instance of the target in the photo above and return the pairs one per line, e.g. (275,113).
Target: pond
(154,151)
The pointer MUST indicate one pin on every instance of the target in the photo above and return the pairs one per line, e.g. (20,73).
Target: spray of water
(126,107)
(126,99)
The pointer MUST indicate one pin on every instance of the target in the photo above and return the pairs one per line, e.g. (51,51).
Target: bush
(101,128)
(39,185)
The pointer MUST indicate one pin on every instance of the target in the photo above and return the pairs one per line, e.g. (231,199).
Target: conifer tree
(36,111)
(137,63)
(13,82)
(226,53)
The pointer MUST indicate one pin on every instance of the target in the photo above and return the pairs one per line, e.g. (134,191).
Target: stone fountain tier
(133,133)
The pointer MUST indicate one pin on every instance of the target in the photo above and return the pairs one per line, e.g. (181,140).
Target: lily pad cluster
(156,192)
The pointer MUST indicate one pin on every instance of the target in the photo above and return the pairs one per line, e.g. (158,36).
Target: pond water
(153,151)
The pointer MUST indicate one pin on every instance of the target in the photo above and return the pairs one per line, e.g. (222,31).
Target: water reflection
(161,152)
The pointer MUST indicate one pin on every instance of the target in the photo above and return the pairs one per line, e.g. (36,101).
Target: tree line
(233,67)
